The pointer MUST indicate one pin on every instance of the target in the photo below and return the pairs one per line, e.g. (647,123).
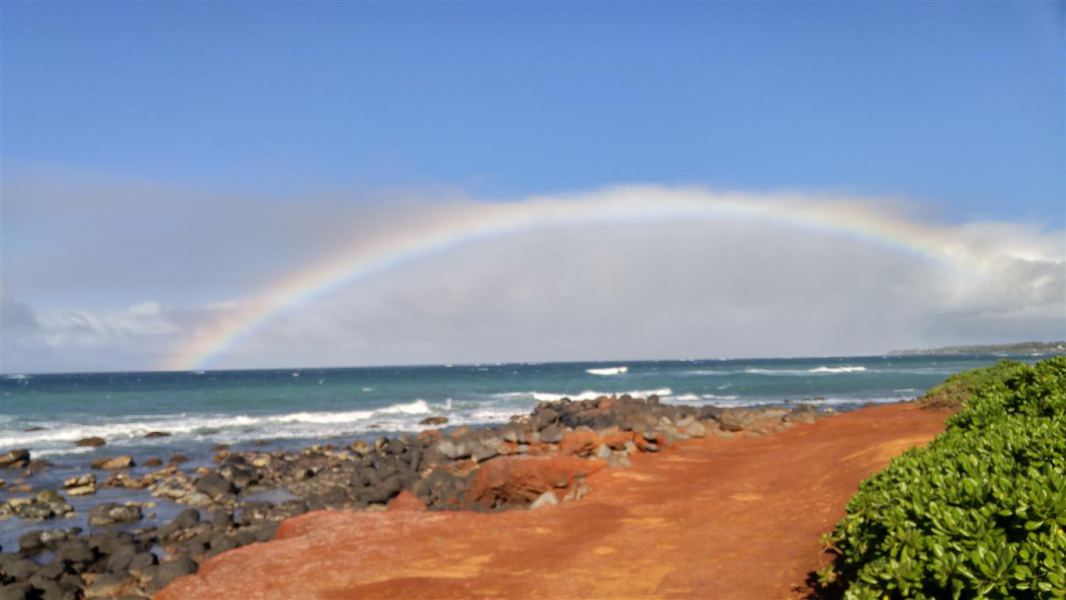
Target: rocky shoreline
(533,461)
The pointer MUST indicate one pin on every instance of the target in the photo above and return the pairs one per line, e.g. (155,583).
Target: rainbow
(441,230)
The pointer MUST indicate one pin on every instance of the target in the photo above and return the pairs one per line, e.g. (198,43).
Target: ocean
(289,408)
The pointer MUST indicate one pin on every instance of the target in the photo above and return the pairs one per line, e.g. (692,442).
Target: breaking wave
(607,371)
(816,371)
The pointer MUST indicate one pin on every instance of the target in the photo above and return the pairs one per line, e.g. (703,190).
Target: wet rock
(113,463)
(50,537)
(80,485)
(54,590)
(153,462)
(156,434)
(186,518)
(30,542)
(214,485)
(142,561)
(110,512)
(15,459)
(109,585)
(75,552)
(53,570)
(164,573)
(434,421)
(119,560)
(91,442)
(46,504)
(17,591)
(177,459)
(18,568)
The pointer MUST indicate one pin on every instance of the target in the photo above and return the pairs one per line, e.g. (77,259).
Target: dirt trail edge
(710,518)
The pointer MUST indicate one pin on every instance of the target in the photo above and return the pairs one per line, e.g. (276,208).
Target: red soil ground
(711,518)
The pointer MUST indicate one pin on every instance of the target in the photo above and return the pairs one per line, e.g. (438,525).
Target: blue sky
(955,105)
(165,164)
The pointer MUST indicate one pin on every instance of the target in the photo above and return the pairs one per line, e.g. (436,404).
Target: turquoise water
(204,408)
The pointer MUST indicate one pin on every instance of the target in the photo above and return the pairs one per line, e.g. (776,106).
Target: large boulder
(520,480)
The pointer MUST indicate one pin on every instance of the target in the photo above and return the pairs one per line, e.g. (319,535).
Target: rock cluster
(534,462)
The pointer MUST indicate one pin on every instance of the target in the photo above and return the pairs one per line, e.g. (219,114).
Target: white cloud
(676,287)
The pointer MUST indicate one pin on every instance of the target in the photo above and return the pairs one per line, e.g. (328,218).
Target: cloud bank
(105,277)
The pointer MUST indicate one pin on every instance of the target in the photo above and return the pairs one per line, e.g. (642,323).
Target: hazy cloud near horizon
(111,277)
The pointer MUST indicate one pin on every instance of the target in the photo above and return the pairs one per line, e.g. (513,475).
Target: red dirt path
(712,518)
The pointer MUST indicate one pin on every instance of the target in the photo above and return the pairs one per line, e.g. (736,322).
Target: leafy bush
(957,389)
(979,512)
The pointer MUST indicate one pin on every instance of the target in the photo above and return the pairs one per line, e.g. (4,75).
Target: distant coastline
(1020,348)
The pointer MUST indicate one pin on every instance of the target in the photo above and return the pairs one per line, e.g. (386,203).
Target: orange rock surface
(708,518)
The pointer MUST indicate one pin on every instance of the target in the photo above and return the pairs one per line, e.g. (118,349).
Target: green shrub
(979,512)
(957,389)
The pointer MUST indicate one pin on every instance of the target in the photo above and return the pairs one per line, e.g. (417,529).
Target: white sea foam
(323,417)
(418,407)
(593,394)
(844,369)
(607,371)
(698,398)
(815,371)
(57,437)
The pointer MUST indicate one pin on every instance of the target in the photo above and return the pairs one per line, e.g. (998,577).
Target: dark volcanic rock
(214,485)
(75,551)
(17,567)
(162,574)
(15,459)
(110,512)
(543,416)
(186,518)
(30,542)
(109,585)
(17,591)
